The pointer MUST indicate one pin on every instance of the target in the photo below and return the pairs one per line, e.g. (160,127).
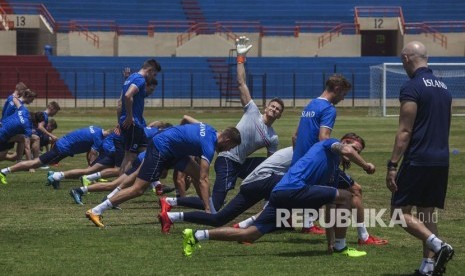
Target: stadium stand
(302,78)
(36,71)
(265,11)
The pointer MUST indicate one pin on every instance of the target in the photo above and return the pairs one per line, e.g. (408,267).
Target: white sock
(427,265)
(58,176)
(362,231)
(5,171)
(99,209)
(339,244)
(246,223)
(201,235)
(155,184)
(93,176)
(114,192)
(84,189)
(172,201)
(176,216)
(308,223)
(434,243)
(212,207)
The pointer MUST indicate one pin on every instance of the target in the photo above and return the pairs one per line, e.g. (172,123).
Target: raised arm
(242,47)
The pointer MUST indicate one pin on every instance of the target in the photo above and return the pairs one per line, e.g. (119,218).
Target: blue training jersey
(150,132)
(80,141)
(317,114)
(197,139)
(108,145)
(45,120)
(319,166)
(429,145)
(138,99)
(9,108)
(17,123)
(8,100)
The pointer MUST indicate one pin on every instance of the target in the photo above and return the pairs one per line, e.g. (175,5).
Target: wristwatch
(391,165)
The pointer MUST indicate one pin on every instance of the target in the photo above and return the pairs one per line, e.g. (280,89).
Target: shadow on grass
(294,241)
(312,253)
(397,274)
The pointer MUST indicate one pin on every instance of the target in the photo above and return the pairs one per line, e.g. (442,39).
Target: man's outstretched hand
(243,45)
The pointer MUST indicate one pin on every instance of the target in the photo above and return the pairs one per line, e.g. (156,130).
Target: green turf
(42,231)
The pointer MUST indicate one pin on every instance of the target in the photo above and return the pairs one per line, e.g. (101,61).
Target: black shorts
(52,156)
(134,138)
(421,186)
(44,140)
(107,160)
(345,181)
(119,151)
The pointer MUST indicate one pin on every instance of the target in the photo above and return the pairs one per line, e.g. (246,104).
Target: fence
(102,88)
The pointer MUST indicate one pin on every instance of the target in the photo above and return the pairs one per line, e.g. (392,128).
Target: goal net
(387,78)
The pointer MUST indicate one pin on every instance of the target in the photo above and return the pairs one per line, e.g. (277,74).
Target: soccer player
(309,183)
(27,97)
(75,142)
(124,180)
(256,132)
(105,156)
(16,127)
(131,109)
(41,133)
(255,187)
(422,142)
(174,146)
(316,124)
(13,99)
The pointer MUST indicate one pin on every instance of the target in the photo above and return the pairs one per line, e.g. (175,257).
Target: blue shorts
(227,171)
(134,138)
(345,181)
(308,197)
(420,186)
(260,189)
(153,165)
(104,159)
(52,156)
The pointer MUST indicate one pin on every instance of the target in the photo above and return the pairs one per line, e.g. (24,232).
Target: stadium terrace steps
(267,12)
(36,72)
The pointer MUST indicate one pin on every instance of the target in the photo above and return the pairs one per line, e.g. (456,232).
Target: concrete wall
(161,44)
(165,44)
(205,45)
(8,43)
(75,44)
(455,44)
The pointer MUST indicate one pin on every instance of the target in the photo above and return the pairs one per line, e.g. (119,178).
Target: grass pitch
(42,231)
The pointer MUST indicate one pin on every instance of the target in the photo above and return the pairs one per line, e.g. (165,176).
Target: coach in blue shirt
(422,141)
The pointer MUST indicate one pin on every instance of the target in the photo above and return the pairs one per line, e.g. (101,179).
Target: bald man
(422,142)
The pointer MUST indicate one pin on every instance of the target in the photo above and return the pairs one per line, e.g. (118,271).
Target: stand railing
(380,11)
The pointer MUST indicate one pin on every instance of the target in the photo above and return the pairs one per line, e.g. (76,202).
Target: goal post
(386,80)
